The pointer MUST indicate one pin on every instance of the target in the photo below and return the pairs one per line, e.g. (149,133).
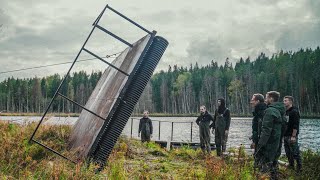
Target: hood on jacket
(280,106)
(222,106)
(278,109)
(260,106)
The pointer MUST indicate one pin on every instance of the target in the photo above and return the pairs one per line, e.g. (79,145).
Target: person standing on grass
(145,127)
(269,141)
(291,145)
(257,102)
(203,122)
(221,126)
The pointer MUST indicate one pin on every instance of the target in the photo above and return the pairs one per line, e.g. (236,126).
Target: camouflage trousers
(221,138)
(145,137)
(204,132)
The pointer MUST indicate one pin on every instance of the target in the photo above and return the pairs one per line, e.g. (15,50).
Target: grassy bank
(77,114)
(304,116)
(130,160)
(40,114)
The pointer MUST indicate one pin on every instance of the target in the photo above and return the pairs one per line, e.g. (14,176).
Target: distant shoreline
(138,115)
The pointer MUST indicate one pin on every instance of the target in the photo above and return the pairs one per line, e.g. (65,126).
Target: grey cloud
(208,30)
(303,36)
(314,6)
(26,4)
(27,39)
(207,49)
(4,18)
(162,17)
(304,33)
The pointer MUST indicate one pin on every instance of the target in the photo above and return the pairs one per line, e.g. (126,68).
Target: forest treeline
(181,90)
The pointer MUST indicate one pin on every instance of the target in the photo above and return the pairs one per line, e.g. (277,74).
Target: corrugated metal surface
(105,98)
(117,121)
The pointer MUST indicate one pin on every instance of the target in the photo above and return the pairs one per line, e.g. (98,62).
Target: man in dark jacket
(257,102)
(269,141)
(291,135)
(203,122)
(145,127)
(221,124)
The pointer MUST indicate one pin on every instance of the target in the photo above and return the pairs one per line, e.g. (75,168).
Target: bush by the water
(130,159)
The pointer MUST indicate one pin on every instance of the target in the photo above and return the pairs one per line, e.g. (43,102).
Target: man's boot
(299,165)
(203,149)
(291,166)
(219,151)
(291,163)
(273,171)
(223,148)
(264,168)
(209,149)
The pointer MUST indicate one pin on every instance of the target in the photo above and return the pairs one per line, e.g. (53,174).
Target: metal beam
(53,150)
(113,35)
(81,106)
(100,15)
(105,61)
(123,16)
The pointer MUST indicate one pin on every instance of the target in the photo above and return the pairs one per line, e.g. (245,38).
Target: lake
(239,133)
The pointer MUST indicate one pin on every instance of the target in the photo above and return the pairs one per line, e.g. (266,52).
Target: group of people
(220,127)
(274,121)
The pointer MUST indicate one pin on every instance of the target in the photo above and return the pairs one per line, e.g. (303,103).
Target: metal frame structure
(95,25)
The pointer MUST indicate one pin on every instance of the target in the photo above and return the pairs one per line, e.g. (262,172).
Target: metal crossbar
(113,35)
(126,18)
(52,150)
(81,106)
(91,53)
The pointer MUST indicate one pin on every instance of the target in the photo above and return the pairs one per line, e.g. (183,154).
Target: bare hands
(253,145)
(293,139)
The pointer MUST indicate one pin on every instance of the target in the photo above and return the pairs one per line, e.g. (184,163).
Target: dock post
(159,129)
(131,127)
(191,131)
(171,131)
(168,144)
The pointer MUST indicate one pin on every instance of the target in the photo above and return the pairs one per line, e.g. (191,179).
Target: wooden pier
(176,144)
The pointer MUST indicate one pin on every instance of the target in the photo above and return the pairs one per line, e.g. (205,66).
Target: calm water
(239,133)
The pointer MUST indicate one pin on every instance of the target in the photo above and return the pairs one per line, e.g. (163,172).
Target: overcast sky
(43,32)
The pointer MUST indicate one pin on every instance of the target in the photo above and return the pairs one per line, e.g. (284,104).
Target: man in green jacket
(269,141)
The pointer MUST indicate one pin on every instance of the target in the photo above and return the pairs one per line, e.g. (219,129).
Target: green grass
(40,114)
(130,159)
(303,116)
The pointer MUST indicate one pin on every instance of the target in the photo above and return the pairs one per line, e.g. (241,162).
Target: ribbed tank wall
(117,122)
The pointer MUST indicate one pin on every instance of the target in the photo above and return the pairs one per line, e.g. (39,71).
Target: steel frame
(95,25)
